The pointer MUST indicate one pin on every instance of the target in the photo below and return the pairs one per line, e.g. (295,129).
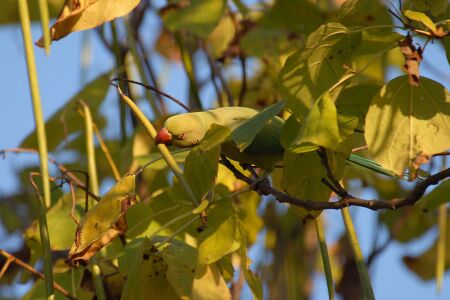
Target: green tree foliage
(180,225)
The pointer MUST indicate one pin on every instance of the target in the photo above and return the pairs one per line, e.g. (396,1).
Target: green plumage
(187,130)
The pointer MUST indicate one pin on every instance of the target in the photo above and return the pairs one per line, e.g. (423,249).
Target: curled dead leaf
(79,15)
(413,57)
(92,235)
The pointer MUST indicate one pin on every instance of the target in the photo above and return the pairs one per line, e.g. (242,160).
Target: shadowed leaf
(405,125)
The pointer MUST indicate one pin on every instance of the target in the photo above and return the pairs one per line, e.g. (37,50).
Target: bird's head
(185,130)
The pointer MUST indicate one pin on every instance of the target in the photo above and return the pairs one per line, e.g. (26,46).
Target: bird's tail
(359,161)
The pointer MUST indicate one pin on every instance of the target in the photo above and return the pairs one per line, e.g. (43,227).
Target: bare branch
(263,187)
(12,259)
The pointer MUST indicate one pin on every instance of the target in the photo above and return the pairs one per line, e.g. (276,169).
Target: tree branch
(263,187)
(12,259)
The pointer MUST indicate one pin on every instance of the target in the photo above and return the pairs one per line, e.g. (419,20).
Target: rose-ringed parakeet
(187,130)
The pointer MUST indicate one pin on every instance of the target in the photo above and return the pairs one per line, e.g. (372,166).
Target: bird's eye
(182,136)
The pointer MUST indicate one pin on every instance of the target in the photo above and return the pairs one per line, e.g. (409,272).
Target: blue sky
(60,78)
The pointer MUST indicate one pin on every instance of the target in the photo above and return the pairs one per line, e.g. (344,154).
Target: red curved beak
(163,137)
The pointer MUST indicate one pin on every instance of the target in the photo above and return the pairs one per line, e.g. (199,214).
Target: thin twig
(213,74)
(244,80)
(61,167)
(359,148)
(152,73)
(32,270)
(149,87)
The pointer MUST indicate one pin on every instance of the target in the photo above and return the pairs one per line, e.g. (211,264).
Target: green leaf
(158,163)
(316,68)
(303,173)
(421,18)
(199,17)
(202,162)
(67,117)
(146,273)
(437,197)
(363,13)
(278,31)
(189,279)
(61,227)
(405,125)
(250,220)
(147,216)
(320,127)
(220,38)
(104,221)
(221,235)
(244,135)
(353,102)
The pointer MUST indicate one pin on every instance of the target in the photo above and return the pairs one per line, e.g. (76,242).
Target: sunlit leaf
(421,18)
(405,125)
(220,38)
(147,216)
(251,222)
(81,15)
(319,66)
(321,127)
(199,16)
(209,284)
(220,236)
(103,222)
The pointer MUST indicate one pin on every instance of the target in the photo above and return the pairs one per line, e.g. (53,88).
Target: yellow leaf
(77,15)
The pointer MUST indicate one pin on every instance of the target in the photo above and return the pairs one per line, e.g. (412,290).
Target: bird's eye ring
(182,135)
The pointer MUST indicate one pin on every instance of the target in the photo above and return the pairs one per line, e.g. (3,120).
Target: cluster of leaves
(328,64)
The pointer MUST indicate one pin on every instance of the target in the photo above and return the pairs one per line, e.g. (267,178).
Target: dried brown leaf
(413,57)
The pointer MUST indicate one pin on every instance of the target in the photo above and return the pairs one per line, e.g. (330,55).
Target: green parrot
(187,130)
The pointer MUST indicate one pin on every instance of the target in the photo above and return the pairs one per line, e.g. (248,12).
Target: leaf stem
(359,259)
(189,67)
(42,143)
(441,245)
(93,181)
(138,62)
(165,153)
(325,257)
(45,23)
